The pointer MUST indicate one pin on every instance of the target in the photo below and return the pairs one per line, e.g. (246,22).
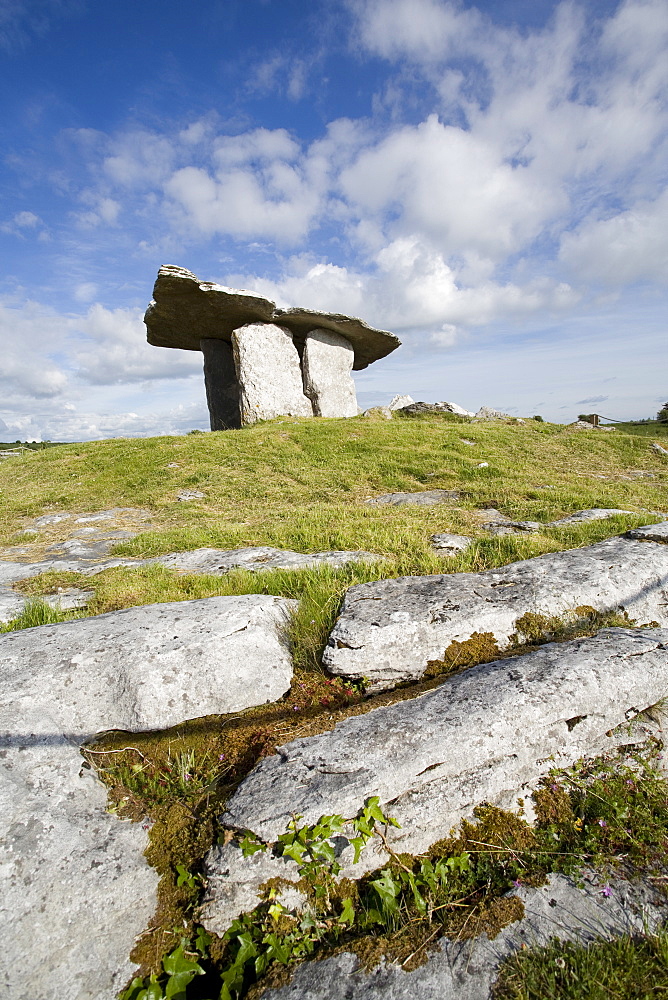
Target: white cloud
(624,248)
(113,350)
(20,222)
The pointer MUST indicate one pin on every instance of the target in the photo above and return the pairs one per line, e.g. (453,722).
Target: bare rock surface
(426,498)
(659,449)
(413,409)
(388,630)
(382,412)
(398,402)
(269,373)
(76,888)
(650,532)
(257,558)
(592,514)
(326,363)
(153,666)
(467,970)
(488,413)
(186,310)
(447,544)
(486,734)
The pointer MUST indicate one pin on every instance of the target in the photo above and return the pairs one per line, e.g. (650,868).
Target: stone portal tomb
(261,361)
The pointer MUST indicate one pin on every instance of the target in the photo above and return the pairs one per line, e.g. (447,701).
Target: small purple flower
(606,891)
(517,882)
(602,823)
(221,757)
(295,708)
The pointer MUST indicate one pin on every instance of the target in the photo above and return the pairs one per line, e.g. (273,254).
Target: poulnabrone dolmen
(261,361)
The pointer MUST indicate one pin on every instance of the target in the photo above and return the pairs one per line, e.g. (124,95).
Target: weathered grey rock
(650,532)
(398,402)
(427,498)
(76,888)
(581,425)
(11,604)
(222,387)
(414,409)
(153,666)
(455,408)
(488,413)
(594,514)
(447,544)
(420,408)
(326,363)
(389,630)
(482,465)
(233,883)
(507,527)
(486,734)
(659,450)
(383,412)
(183,496)
(467,970)
(69,598)
(186,310)
(257,558)
(270,379)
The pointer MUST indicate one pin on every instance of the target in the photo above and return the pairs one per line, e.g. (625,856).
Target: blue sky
(488,182)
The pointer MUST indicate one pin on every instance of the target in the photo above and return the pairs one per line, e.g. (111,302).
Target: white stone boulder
(425,498)
(388,630)
(326,364)
(154,666)
(650,532)
(398,402)
(269,373)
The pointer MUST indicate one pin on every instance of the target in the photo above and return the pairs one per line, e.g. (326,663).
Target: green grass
(627,968)
(36,613)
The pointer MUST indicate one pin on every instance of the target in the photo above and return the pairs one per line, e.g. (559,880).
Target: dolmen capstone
(261,361)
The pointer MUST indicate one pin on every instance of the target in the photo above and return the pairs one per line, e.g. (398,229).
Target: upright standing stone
(269,373)
(327,363)
(222,388)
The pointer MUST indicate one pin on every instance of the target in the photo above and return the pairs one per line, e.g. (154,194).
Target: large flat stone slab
(269,373)
(467,970)
(327,362)
(650,532)
(256,559)
(154,666)
(186,310)
(486,734)
(388,630)
(76,889)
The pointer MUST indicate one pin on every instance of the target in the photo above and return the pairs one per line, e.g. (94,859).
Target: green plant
(37,612)
(180,967)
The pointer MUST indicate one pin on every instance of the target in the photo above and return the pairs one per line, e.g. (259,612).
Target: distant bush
(662,415)
(538,418)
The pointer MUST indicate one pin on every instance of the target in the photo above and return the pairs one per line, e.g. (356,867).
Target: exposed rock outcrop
(389,630)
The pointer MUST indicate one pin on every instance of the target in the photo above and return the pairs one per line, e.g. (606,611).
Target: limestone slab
(591,514)
(447,544)
(326,363)
(467,970)
(77,890)
(650,532)
(388,630)
(486,734)
(269,373)
(257,558)
(425,498)
(153,666)
(186,310)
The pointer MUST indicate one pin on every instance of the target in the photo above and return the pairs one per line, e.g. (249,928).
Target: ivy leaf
(347,913)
